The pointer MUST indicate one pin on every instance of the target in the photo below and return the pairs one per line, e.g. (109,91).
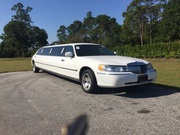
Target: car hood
(113,60)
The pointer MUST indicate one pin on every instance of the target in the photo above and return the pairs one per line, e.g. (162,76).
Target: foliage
(37,36)
(170,24)
(15,38)
(145,22)
(62,34)
(19,37)
(149,23)
(101,29)
(156,50)
(141,19)
(21,13)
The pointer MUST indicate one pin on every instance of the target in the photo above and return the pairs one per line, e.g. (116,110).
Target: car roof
(73,44)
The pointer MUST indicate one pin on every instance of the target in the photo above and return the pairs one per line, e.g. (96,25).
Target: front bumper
(124,79)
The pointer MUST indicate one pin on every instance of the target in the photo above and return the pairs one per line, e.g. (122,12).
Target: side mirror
(69,54)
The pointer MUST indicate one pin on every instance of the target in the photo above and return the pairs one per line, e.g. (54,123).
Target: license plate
(142,78)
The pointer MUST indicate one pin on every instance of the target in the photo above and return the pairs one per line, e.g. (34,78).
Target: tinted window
(56,51)
(68,49)
(46,51)
(92,50)
(40,51)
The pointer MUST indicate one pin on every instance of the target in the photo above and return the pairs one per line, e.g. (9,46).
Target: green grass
(168,70)
(15,64)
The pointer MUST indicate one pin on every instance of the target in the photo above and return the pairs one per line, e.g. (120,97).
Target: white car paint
(72,67)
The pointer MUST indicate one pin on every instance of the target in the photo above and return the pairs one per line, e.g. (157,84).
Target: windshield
(92,50)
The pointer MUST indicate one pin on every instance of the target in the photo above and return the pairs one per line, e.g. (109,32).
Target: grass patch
(15,64)
(168,70)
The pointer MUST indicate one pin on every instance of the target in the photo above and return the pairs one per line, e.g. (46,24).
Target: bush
(156,50)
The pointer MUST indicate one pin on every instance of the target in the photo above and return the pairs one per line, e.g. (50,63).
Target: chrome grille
(143,69)
(134,69)
(137,69)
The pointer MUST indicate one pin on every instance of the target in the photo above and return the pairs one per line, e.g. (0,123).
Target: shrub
(156,50)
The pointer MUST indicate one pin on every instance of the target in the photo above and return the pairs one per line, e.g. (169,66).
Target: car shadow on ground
(142,91)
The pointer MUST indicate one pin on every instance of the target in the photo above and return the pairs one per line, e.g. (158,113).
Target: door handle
(62,60)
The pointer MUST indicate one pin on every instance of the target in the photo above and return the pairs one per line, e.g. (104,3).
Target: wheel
(35,69)
(88,81)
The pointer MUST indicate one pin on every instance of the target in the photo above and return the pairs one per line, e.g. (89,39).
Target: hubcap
(86,81)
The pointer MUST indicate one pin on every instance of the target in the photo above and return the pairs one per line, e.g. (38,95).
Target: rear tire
(88,81)
(35,69)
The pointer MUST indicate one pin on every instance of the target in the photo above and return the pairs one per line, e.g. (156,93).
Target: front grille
(137,69)
(143,69)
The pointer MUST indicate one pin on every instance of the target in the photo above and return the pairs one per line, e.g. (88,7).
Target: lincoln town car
(93,65)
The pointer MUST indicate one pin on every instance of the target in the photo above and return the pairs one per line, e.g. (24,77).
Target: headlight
(113,68)
(149,66)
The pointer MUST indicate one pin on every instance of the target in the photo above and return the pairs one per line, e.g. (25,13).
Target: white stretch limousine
(93,65)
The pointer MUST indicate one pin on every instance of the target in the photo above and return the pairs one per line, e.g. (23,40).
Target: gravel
(39,104)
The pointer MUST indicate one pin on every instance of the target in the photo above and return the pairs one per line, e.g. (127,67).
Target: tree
(15,38)
(170,24)
(38,37)
(141,20)
(107,30)
(22,15)
(101,29)
(115,32)
(88,26)
(74,32)
(135,21)
(153,13)
(62,34)
(19,35)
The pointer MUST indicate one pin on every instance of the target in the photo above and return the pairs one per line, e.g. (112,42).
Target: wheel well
(32,62)
(82,70)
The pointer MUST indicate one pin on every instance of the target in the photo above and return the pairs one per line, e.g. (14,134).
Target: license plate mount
(142,78)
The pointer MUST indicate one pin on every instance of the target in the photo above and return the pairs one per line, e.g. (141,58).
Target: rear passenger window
(56,51)
(46,51)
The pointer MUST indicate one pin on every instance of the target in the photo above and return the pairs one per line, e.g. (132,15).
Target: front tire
(35,69)
(88,81)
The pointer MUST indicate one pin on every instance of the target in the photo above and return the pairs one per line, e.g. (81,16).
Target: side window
(40,51)
(56,51)
(46,51)
(68,49)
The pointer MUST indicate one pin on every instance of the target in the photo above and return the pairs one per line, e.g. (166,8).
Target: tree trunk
(150,38)
(141,33)
(142,39)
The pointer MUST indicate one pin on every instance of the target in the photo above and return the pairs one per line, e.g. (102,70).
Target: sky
(51,14)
